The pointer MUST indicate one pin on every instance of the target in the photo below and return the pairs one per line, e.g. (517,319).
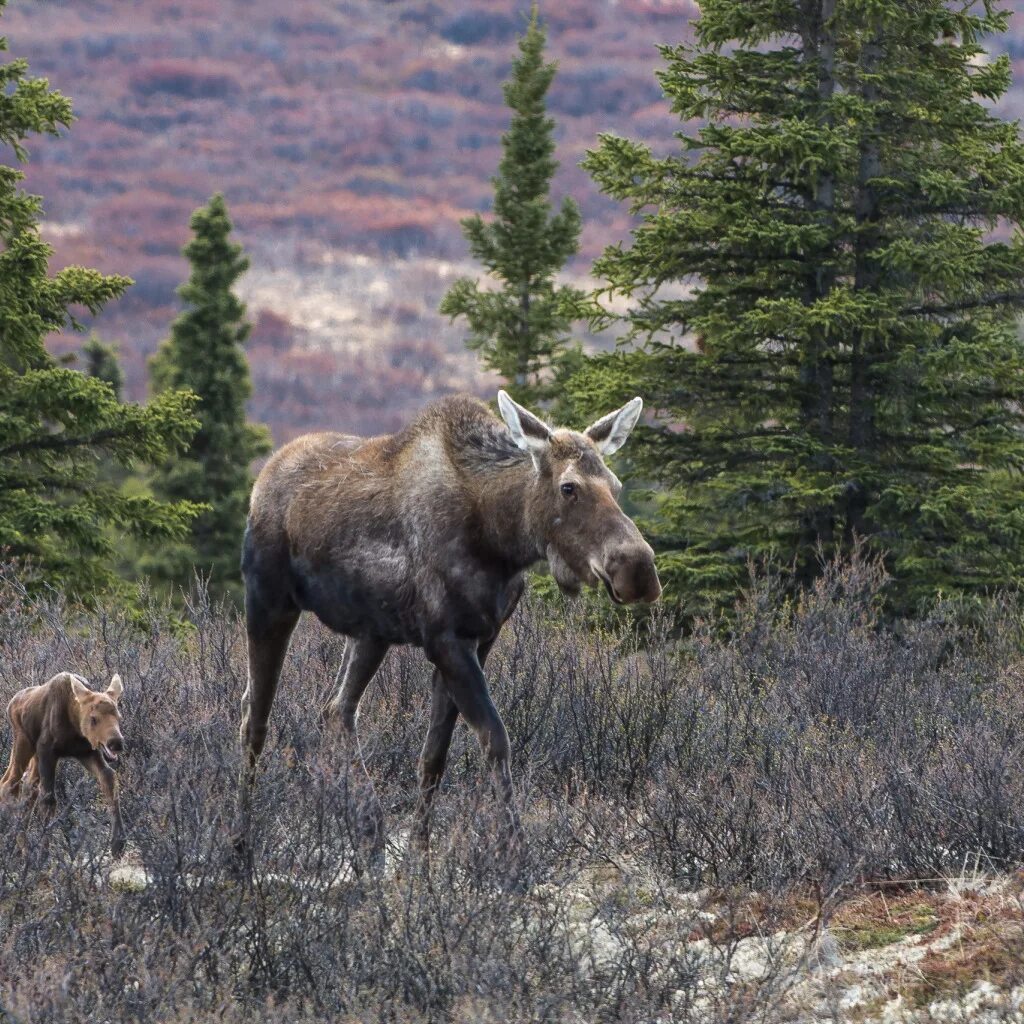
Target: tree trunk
(523,353)
(866,278)
(817,372)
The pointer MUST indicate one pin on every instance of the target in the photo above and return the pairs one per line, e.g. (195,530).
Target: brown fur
(422,538)
(64,718)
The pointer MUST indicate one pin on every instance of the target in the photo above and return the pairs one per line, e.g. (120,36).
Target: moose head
(587,537)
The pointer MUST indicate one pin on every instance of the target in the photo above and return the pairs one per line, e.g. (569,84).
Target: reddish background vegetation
(351,126)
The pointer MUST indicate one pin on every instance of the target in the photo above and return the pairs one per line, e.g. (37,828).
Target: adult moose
(422,537)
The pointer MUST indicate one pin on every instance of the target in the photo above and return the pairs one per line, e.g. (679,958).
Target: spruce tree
(102,363)
(204,353)
(60,521)
(521,327)
(838,358)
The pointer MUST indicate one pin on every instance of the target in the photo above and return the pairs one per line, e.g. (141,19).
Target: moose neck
(512,517)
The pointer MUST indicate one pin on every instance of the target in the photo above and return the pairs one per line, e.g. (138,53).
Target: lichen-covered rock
(129,878)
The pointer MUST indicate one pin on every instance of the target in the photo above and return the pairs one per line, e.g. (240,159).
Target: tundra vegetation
(681,801)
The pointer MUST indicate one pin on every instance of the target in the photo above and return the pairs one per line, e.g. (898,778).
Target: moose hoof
(239,858)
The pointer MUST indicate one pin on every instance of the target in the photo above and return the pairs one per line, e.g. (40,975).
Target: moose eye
(568,490)
(92,720)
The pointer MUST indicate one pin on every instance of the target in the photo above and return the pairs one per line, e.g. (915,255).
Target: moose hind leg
(362,658)
(268,644)
(268,638)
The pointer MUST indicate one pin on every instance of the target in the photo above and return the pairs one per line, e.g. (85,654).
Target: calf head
(588,538)
(99,720)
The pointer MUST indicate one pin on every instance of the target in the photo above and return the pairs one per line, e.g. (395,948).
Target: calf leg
(459,663)
(268,637)
(46,765)
(31,780)
(21,757)
(107,779)
(362,658)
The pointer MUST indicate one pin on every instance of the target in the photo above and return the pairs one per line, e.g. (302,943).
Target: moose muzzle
(628,573)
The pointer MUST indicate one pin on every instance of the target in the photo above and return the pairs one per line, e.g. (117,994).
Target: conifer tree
(845,362)
(521,327)
(204,353)
(59,519)
(102,363)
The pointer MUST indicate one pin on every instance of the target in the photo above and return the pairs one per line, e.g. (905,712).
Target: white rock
(129,878)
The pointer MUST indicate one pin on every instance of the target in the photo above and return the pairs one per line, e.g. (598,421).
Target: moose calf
(64,718)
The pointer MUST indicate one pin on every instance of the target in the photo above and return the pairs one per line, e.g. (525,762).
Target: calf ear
(115,689)
(528,431)
(79,689)
(609,433)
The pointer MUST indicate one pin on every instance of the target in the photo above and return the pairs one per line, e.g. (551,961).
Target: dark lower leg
(467,687)
(268,643)
(434,758)
(107,781)
(363,656)
(46,764)
(359,665)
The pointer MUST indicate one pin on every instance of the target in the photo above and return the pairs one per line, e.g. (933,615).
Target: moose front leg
(107,779)
(46,766)
(457,660)
(444,713)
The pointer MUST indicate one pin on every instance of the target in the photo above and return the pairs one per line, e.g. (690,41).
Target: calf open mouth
(108,755)
(607,585)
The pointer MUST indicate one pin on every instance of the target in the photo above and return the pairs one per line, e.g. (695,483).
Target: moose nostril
(648,586)
(632,574)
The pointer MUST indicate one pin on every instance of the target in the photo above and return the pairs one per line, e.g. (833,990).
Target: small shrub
(812,746)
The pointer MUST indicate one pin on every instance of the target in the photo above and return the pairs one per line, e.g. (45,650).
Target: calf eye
(92,720)
(568,490)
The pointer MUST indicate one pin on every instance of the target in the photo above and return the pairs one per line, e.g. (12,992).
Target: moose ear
(115,689)
(78,688)
(609,433)
(528,431)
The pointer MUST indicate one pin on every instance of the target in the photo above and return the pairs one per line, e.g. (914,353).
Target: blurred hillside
(349,137)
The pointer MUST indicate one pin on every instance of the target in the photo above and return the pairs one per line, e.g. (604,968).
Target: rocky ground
(936,950)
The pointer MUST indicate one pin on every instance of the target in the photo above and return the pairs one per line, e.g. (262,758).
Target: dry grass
(681,800)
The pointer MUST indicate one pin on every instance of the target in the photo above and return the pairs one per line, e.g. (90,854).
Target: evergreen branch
(55,442)
(985,302)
